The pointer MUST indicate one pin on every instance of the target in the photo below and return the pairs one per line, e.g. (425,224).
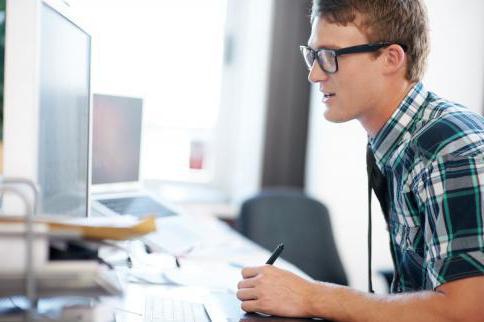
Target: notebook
(116,184)
(116,153)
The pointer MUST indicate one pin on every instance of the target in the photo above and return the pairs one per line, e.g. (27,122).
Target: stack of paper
(56,278)
(83,278)
(100,228)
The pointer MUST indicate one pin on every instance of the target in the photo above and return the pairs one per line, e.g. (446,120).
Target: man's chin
(335,118)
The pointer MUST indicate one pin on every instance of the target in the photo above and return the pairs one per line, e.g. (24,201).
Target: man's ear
(394,59)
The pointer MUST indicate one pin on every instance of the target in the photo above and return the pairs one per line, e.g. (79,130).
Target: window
(170,53)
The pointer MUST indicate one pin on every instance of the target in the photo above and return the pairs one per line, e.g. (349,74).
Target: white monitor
(47,104)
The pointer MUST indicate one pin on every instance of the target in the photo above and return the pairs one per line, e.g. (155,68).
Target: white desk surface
(214,265)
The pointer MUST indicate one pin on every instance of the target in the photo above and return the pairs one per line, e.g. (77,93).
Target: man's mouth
(327,96)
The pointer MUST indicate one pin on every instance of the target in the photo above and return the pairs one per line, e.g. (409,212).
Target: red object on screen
(197,155)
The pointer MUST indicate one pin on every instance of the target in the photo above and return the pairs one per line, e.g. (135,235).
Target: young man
(431,152)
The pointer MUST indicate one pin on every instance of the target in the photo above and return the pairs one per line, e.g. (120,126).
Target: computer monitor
(47,104)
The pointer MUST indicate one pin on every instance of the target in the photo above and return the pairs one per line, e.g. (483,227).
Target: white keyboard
(165,309)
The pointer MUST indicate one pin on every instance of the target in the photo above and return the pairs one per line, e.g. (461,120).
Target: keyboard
(159,309)
(139,206)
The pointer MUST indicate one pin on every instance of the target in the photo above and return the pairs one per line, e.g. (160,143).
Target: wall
(456,63)
(337,175)
(288,98)
(240,130)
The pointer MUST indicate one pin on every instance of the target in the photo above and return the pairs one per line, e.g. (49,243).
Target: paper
(216,276)
(112,228)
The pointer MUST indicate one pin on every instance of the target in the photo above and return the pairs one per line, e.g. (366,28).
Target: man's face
(352,92)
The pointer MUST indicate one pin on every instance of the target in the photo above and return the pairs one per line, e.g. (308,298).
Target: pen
(275,254)
(177,262)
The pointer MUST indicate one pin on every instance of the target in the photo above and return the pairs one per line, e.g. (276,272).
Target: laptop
(116,153)
(116,184)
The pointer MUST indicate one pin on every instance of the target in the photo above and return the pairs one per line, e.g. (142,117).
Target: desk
(221,247)
(212,268)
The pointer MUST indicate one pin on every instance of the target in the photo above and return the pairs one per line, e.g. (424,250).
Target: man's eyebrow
(325,46)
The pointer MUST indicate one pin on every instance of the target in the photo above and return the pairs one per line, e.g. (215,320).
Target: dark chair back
(302,224)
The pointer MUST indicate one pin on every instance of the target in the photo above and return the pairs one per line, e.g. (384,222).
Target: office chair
(302,224)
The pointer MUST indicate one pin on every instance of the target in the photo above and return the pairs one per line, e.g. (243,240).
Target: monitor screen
(63,146)
(116,139)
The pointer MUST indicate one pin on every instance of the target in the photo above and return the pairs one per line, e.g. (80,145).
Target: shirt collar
(401,121)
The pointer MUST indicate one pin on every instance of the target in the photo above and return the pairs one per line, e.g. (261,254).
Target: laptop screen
(116,139)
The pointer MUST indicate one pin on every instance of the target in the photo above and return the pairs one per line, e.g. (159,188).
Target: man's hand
(271,290)
(274,291)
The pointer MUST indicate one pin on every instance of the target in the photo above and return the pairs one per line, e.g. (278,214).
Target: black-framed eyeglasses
(328,58)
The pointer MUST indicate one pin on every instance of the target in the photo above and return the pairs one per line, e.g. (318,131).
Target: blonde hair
(399,21)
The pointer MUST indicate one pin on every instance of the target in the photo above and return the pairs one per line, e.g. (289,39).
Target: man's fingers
(247,283)
(249,306)
(246,294)
(249,272)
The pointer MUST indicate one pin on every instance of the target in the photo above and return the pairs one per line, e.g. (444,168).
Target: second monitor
(116,154)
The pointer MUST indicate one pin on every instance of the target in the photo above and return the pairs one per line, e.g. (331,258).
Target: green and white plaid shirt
(432,154)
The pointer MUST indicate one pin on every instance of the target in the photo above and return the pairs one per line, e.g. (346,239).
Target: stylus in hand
(275,254)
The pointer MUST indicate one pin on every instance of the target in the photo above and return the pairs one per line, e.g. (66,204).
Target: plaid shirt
(432,154)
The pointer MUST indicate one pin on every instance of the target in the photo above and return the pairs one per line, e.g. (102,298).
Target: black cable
(370,281)
(370,170)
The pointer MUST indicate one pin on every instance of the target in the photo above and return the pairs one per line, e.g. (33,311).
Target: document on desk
(213,276)
(258,258)
(100,228)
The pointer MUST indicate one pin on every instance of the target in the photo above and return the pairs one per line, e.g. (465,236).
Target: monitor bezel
(22,103)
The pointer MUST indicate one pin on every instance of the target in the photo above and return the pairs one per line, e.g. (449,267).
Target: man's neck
(380,114)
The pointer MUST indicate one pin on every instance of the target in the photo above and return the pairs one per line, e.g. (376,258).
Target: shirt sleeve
(451,193)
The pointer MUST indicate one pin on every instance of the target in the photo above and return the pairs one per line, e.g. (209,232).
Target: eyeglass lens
(326,59)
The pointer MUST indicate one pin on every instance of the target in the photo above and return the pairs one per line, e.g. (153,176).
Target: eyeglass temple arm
(366,48)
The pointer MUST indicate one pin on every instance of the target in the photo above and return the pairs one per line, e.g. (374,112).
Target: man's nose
(316,73)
